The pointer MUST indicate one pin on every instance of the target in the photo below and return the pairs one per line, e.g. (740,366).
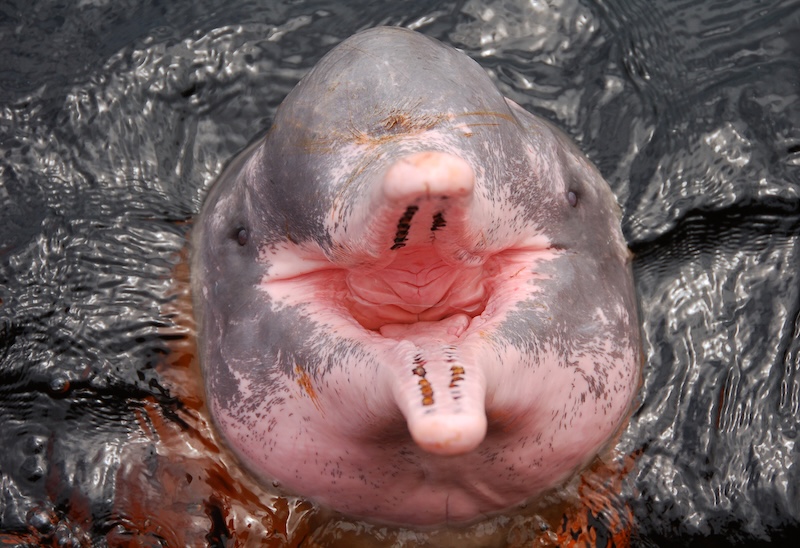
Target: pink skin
(425,301)
(414,300)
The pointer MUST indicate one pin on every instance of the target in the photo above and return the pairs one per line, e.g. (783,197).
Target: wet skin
(414,300)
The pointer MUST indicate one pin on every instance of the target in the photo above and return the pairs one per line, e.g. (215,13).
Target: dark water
(115,117)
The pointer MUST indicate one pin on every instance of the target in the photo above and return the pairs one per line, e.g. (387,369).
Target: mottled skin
(415,303)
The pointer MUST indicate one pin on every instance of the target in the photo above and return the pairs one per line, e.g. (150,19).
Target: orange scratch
(304,380)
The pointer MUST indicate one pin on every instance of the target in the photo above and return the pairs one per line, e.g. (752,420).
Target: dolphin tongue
(439,390)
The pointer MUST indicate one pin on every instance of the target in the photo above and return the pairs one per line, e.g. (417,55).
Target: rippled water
(115,117)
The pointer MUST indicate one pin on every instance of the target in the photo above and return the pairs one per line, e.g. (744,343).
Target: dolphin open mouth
(427,296)
(414,273)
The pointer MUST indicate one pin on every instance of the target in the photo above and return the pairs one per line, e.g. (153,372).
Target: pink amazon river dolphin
(415,303)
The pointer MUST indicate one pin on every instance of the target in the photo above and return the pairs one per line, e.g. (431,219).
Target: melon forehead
(396,80)
(388,93)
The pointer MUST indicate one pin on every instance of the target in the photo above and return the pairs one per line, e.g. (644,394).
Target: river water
(116,116)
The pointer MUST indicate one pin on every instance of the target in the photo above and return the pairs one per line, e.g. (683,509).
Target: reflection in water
(117,116)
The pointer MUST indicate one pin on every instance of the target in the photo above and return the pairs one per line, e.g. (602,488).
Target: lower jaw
(436,502)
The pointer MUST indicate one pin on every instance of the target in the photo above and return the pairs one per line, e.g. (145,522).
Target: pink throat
(418,286)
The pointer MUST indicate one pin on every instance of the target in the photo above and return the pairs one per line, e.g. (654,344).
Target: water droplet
(59,385)
(34,445)
(41,520)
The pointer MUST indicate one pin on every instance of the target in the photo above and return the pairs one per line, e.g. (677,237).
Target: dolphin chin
(414,300)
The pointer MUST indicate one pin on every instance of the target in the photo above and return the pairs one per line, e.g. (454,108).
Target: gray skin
(396,163)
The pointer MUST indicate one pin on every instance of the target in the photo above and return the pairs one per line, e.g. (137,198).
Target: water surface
(115,117)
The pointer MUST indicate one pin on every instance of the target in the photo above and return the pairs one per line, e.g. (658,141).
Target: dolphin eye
(572,198)
(241,236)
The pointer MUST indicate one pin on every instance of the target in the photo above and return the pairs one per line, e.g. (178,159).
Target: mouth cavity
(413,270)
(420,234)
(424,290)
